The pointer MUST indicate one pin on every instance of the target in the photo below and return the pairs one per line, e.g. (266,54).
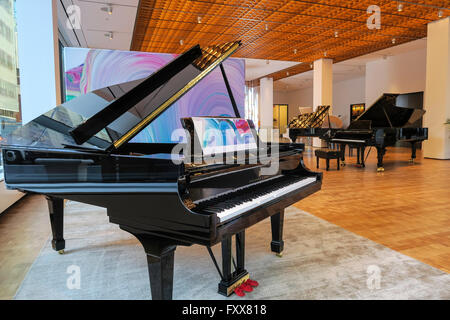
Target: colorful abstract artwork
(91,69)
(219,135)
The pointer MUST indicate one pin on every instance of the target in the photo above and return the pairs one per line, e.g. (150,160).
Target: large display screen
(223,135)
(88,70)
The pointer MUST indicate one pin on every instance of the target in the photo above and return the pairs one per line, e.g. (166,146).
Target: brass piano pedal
(226,288)
(380,169)
(61,251)
(279,254)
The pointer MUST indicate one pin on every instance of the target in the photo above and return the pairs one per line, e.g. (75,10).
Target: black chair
(328,154)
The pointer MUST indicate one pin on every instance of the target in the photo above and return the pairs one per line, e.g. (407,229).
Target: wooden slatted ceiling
(292,30)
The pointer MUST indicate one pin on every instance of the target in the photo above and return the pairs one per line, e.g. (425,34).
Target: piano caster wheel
(280,254)
(61,251)
(411,160)
(380,169)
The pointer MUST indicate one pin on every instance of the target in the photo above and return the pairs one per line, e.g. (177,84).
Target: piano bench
(328,154)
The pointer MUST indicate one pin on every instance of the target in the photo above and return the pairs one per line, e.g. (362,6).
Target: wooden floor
(406,208)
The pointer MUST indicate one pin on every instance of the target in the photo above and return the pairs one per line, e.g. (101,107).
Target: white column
(266,105)
(37,31)
(322,88)
(437,90)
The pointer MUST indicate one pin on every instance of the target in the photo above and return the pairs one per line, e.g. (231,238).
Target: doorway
(280,117)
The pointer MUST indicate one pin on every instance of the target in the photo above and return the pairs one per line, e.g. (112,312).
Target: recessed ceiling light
(393,40)
(295,51)
(109,35)
(325,54)
(400,7)
(267,27)
(181,42)
(199,19)
(336,34)
(311,65)
(287,73)
(108,9)
(440,13)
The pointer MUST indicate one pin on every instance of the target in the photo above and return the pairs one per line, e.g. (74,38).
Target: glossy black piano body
(382,125)
(81,151)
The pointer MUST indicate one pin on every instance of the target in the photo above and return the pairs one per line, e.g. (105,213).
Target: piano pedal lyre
(231,280)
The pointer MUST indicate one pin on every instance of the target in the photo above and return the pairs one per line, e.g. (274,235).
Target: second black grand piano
(382,125)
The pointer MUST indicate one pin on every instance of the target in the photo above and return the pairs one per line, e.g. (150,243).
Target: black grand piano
(382,125)
(82,151)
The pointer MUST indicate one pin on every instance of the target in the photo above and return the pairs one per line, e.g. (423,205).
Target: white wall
(402,73)
(344,93)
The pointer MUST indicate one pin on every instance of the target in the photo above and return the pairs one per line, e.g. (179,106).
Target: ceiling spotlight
(400,7)
(287,73)
(295,51)
(199,19)
(267,27)
(311,65)
(393,40)
(109,35)
(325,54)
(440,13)
(108,9)
(181,42)
(336,34)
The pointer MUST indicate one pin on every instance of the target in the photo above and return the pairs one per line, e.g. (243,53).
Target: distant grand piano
(382,125)
(81,151)
(316,124)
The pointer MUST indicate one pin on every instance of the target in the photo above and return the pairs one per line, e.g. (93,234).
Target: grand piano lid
(127,115)
(109,117)
(385,113)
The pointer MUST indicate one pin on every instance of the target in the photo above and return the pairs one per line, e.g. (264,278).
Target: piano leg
(160,260)
(277,244)
(358,153)
(56,210)
(231,280)
(363,149)
(342,149)
(413,151)
(380,153)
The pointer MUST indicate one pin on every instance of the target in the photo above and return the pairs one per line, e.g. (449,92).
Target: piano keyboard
(230,205)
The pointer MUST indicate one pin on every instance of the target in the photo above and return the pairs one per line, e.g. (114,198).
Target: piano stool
(328,154)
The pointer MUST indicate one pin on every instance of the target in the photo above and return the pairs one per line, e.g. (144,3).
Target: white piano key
(228,214)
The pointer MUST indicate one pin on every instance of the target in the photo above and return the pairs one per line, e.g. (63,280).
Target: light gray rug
(321,261)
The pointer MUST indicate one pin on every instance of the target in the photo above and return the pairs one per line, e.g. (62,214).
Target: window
(10,115)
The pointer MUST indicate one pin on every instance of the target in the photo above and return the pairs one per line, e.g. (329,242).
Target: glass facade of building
(10,115)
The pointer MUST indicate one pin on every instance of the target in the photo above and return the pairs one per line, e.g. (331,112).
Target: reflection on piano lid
(107,118)
(385,113)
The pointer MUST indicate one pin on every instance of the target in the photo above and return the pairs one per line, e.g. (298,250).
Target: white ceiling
(95,22)
(257,68)
(349,69)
